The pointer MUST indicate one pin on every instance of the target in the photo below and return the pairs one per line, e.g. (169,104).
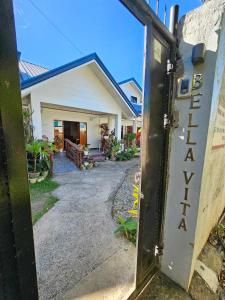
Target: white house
(133,92)
(74,100)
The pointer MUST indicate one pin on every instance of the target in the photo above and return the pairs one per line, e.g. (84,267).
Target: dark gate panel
(153,151)
(160,63)
(17,261)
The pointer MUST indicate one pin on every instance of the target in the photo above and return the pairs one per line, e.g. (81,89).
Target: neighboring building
(73,101)
(133,92)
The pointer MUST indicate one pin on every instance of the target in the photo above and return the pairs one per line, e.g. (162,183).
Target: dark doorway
(72,131)
(76,132)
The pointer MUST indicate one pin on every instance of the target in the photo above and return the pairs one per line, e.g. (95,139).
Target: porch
(81,126)
(64,165)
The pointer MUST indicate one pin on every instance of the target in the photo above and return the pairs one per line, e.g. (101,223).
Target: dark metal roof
(28,70)
(54,72)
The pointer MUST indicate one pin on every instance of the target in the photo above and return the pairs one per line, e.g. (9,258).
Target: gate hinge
(171,121)
(170,67)
(158,250)
(166,121)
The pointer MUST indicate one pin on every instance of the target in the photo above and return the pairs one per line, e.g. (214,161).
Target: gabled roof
(132,79)
(28,70)
(74,64)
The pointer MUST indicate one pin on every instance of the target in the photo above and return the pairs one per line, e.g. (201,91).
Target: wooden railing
(74,153)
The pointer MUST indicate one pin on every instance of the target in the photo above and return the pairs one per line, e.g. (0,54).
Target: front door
(72,131)
(76,132)
(83,133)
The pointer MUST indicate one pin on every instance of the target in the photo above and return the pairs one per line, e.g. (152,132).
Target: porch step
(98,156)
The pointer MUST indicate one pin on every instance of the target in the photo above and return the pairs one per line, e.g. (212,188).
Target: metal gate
(17,262)
(159,68)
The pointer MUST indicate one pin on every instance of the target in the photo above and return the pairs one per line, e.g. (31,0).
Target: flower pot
(33,180)
(40,179)
(45,174)
(34,175)
(86,152)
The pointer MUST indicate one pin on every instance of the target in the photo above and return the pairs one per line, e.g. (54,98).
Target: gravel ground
(123,199)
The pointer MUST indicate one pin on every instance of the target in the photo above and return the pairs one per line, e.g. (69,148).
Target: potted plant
(34,150)
(86,150)
(115,148)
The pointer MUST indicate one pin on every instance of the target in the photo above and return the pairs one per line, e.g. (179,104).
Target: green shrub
(127,227)
(127,154)
(123,155)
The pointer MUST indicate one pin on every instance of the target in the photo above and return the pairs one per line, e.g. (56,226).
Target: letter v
(187,179)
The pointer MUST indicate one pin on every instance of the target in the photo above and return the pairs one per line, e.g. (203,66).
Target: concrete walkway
(78,255)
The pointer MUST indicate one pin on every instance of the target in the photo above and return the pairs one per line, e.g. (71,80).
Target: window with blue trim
(133,99)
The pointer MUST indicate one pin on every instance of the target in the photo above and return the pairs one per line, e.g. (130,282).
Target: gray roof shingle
(29,70)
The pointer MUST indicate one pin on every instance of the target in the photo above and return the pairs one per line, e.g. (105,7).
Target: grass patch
(41,199)
(45,186)
(48,205)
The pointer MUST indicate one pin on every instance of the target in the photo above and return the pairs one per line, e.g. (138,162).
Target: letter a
(189,155)
(182,225)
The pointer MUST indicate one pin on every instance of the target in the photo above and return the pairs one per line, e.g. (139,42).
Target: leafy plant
(34,148)
(27,124)
(123,155)
(132,150)
(40,152)
(129,138)
(112,146)
(134,212)
(127,227)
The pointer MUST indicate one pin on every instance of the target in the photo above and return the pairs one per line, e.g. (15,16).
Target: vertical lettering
(189,138)
(189,155)
(186,178)
(185,205)
(182,225)
(190,125)
(186,194)
(195,102)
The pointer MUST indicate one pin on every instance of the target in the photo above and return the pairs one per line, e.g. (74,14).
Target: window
(133,99)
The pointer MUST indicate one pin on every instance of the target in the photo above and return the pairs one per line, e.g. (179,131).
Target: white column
(111,123)
(134,126)
(118,125)
(36,117)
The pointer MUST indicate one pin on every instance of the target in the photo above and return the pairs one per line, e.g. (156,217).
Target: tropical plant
(34,148)
(113,146)
(40,152)
(28,128)
(128,227)
(129,138)
(127,154)
(134,212)
(123,155)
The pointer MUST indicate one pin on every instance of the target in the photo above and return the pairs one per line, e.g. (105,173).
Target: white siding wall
(129,90)
(79,88)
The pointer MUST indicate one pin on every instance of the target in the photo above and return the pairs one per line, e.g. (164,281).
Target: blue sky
(102,26)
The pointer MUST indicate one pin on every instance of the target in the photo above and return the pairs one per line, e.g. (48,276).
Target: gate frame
(18,251)
(143,12)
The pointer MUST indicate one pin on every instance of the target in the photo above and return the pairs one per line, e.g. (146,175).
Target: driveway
(77,253)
